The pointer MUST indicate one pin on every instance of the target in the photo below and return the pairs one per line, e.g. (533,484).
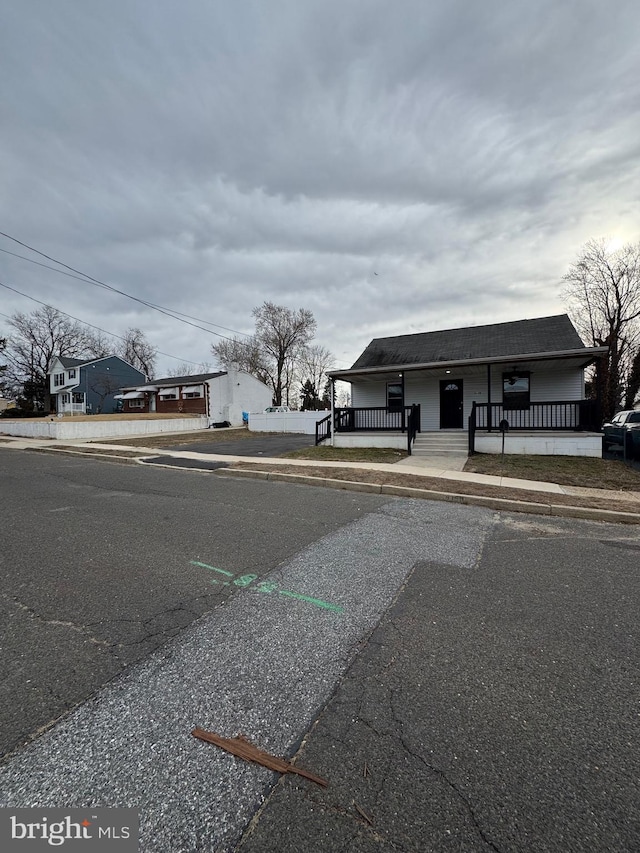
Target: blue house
(87,386)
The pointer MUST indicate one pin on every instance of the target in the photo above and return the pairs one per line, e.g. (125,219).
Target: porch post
(332,422)
(489,398)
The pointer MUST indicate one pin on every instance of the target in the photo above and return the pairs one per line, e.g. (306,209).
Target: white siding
(554,385)
(421,389)
(367,394)
(234,393)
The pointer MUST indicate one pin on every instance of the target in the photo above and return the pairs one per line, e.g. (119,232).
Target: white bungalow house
(463,387)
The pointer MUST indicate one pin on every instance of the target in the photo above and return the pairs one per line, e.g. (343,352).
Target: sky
(392,167)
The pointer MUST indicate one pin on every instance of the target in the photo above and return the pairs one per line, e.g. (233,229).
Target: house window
(72,374)
(394,396)
(78,398)
(189,395)
(135,404)
(66,399)
(58,379)
(515,390)
(168,396)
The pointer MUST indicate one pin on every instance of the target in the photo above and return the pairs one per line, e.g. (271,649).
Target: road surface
(464,679)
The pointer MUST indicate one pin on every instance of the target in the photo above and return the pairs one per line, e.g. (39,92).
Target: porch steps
(440,443)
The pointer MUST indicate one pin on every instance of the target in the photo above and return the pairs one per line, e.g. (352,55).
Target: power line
(88,279)
(84,322)
(81,277)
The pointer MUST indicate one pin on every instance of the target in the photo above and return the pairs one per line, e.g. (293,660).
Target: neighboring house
(6,404)
(221,396)
(89,386)
(528,373)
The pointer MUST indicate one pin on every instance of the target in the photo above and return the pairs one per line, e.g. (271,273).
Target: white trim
(585,352)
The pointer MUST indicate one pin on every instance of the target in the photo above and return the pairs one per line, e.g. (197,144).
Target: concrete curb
(503,504)
(101,457)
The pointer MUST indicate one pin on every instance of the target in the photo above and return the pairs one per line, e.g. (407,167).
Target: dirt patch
(436,484)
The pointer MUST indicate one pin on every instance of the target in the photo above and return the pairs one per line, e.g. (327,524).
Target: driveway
(267,445)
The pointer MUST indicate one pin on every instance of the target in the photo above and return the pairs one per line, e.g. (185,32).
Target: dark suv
(623,426)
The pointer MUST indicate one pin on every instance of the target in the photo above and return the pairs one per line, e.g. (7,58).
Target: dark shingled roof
(544,334)
(73,362)
(196,379)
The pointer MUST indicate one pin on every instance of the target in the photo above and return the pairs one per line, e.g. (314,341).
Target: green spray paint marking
(213,568)
(267,586)
(325,604)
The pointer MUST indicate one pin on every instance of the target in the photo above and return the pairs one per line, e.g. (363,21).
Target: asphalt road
(97,567)
(464,680)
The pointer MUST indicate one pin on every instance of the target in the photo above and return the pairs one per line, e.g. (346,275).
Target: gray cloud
(211,156)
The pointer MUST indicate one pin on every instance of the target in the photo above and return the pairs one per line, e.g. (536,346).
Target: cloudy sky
(393,167)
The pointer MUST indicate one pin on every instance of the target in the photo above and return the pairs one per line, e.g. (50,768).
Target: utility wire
(84,322)
(169,312)
(81,277)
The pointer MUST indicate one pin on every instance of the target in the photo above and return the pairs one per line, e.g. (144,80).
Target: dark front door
(451,404)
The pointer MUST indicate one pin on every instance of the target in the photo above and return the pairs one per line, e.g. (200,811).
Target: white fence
(301,422)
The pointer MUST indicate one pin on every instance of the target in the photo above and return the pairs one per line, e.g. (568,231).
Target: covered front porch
(525,396)
(70,403)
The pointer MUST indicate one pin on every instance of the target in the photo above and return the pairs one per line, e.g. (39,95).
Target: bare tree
(245,353)
(138,351)
(342,394)
(272,354)
(282,334)
(36,340)
(602,290)
(98,345)
(189,368)
(314,362)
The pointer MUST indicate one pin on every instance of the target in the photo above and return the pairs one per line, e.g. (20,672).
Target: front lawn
(583,471)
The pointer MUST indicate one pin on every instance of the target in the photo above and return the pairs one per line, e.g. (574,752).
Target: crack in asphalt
(167,631)
(440,773)
(72,626)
